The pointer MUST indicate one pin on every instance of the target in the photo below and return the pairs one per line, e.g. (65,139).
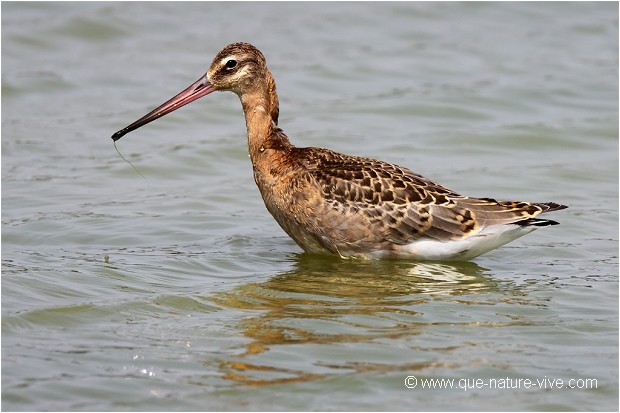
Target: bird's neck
(260,106)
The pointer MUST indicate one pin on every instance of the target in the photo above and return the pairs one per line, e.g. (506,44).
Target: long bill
(196,90)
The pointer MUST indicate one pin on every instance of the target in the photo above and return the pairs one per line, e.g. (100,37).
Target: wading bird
(347,205)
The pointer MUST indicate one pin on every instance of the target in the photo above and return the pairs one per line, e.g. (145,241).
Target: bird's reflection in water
(327,302)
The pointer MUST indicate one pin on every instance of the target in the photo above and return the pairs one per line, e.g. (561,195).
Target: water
(180,292)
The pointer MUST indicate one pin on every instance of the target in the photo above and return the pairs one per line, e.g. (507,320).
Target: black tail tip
(537,222)
(551,206)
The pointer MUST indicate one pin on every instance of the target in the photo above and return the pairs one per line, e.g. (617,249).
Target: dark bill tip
(119,135)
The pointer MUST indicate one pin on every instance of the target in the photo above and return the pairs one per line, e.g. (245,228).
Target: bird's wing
(404,205)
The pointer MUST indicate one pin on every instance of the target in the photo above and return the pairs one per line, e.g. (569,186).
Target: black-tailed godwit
(347,205)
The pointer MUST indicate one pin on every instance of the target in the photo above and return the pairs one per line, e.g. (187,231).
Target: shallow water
(179,291)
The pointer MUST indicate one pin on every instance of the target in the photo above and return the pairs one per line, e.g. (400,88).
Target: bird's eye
(231,63)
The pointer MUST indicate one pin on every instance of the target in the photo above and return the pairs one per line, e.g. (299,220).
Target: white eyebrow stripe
(227,58)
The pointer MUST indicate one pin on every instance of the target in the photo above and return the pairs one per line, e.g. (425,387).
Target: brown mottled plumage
(349,205)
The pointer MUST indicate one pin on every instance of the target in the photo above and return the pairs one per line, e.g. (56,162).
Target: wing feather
(404,205)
